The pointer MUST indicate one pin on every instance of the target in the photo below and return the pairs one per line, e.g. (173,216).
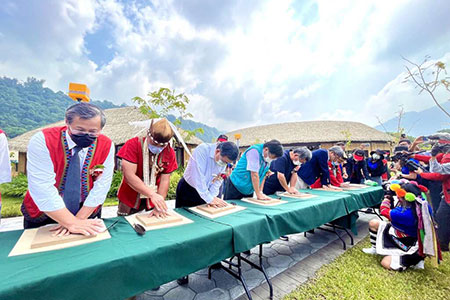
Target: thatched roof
(116,128)
(310,132)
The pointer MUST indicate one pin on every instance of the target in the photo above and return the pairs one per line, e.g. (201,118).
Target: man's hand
(419,171)
(293,190)
(269,173)
(158,202)
(85,227)
(262,196)
(158,214)
(217,202)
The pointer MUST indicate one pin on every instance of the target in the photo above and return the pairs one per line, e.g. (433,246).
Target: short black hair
(275,147)
(228,149)
(85,111)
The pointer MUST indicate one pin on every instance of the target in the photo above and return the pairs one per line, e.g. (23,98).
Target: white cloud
(241,63)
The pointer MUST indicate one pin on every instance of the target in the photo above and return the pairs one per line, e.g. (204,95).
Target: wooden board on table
(328,190)
(213,212)
(174,219)
(44,237)
(296,196)
(145,220)
(358,186)
(271,202)
(30,242)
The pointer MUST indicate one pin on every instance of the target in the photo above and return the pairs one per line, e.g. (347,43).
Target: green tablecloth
(366,197)
(116,268)
(258,224)
(128,264)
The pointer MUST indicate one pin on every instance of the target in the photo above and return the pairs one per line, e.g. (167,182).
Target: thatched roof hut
(116,128)
(313,134)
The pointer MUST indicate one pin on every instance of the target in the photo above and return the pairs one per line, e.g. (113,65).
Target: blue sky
(241,63)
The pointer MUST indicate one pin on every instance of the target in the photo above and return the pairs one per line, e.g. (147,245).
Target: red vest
(60,155)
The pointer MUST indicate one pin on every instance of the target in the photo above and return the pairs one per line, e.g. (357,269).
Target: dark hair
(275,148)
(85,111)
(228,149)
(222,137)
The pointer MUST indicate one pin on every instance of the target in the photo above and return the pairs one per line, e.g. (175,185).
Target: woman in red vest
(62,185)
(147,163)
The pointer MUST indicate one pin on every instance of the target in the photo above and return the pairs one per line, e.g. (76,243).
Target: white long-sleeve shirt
(41,175)
(5,164)
(201,171)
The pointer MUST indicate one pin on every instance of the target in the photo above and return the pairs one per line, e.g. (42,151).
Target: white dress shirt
(202,170)
(41,175)
(5,164)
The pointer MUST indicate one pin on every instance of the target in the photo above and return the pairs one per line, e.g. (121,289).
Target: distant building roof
(116,128)
(310,132)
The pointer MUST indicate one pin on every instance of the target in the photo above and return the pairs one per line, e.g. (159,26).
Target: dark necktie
(72,188)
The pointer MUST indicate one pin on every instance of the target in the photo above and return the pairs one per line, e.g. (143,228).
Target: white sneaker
(371,250)
(419,266)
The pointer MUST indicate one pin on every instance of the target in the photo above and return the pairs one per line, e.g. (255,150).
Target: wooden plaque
(297,196)
(44,237)
(358,186)
(327,190)
(214,210)
(154,221)
(264,202)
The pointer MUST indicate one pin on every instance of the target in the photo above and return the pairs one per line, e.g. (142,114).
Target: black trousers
(28,224)
(230,192)
(187,196)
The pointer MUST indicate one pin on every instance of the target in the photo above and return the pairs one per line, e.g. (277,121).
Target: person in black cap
(375,166)
(357,167)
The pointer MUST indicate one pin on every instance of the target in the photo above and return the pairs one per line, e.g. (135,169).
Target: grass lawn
(356,275)
(11,205)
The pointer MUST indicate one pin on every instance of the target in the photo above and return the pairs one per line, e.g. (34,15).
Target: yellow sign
(79,92)
(237,136)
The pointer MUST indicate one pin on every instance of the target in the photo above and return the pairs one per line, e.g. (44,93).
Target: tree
(165,101)
(428,76)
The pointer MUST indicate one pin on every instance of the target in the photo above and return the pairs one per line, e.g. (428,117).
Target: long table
(128,264)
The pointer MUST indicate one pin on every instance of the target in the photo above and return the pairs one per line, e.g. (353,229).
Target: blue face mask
(155,149)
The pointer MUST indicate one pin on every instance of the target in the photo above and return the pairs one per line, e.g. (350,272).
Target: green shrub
(17,187)
(116,180)
(174,178)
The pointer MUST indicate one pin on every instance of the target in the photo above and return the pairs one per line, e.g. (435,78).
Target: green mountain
(28,105)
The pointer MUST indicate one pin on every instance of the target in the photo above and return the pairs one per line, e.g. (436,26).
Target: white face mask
(297,163)
(155,149)
(221,163)
(375,156)
(268,159)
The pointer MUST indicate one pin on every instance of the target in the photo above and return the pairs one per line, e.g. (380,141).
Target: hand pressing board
(271,202)
(215,212)
(41,239)
(296,196)
(153,223)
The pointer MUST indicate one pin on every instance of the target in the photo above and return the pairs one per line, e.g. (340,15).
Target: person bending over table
(285,171)
(202,179)
(251,170)
(147,164)
(317,167)
(62,184)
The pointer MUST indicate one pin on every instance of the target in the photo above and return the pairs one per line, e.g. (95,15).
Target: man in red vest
(69,172)
(5,165)
(147,163)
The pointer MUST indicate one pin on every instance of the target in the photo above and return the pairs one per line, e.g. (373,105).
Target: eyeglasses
(80,132)
(156,142)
